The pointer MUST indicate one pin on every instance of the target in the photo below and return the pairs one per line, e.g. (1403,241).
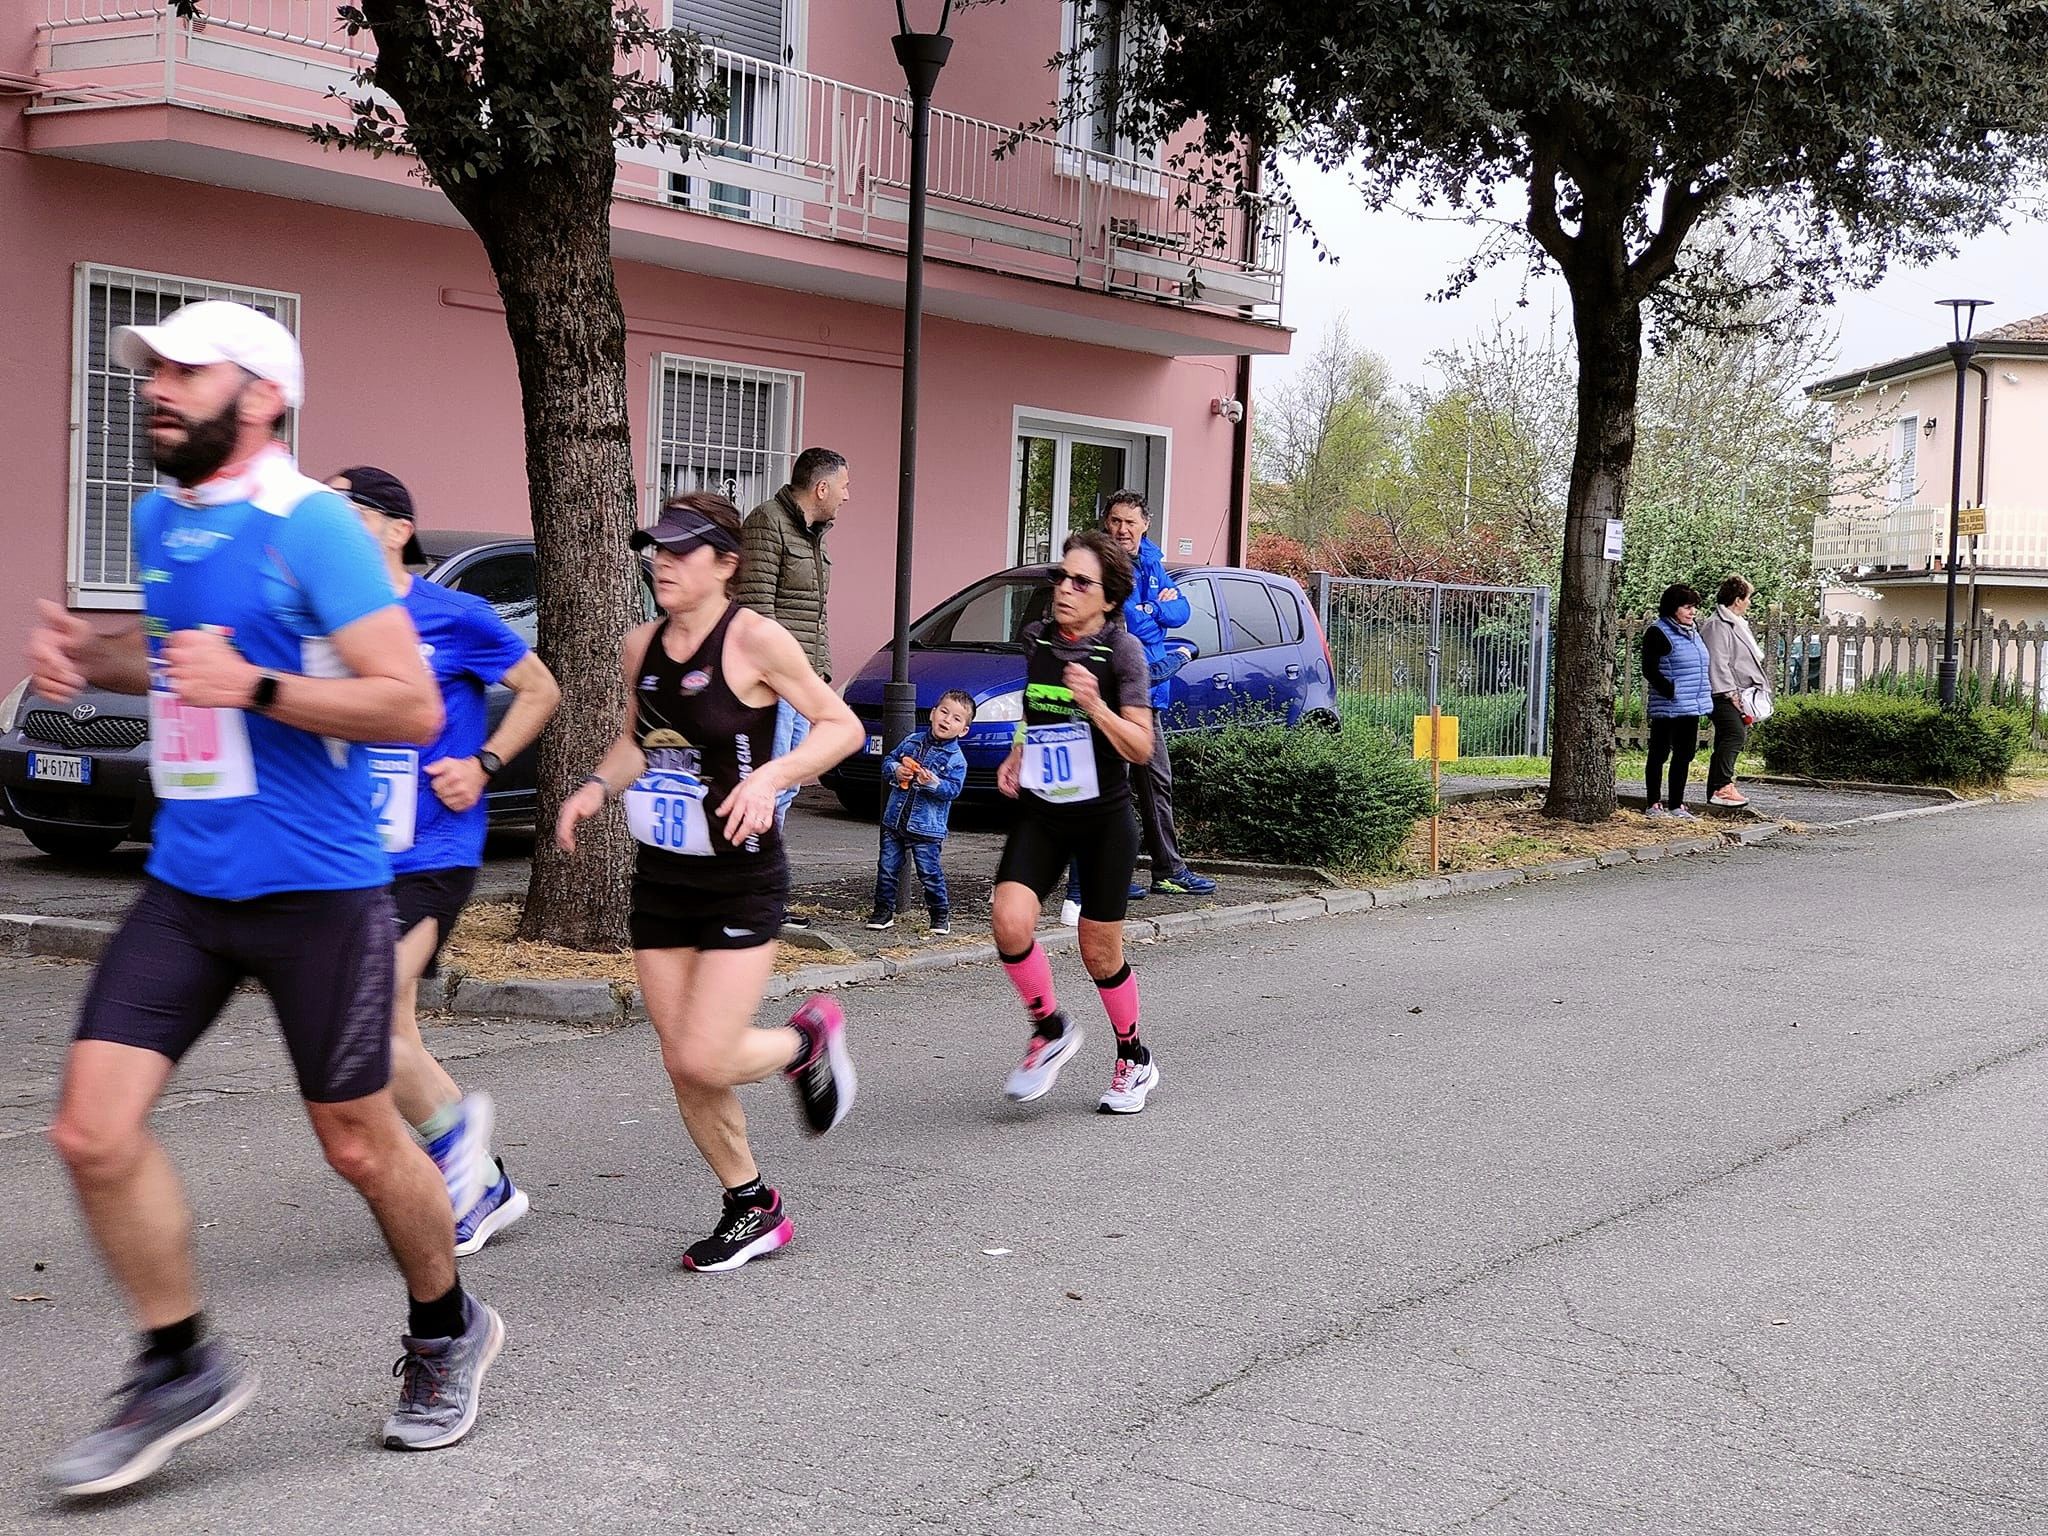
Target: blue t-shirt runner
(468,648)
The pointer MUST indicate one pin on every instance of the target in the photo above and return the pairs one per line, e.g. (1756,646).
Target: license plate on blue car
(59,768)
(874,746)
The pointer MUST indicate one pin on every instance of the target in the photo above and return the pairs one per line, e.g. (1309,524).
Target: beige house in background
(1889,549)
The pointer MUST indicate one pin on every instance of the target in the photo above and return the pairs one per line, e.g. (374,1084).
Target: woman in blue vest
(1675,670)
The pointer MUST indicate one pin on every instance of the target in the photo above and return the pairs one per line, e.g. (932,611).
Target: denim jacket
(922,811)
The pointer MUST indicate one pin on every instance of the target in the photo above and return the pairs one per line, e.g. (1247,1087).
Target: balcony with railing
(1912,541)
(792,152)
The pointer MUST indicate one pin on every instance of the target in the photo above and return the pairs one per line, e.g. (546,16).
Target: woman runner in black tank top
(694,770)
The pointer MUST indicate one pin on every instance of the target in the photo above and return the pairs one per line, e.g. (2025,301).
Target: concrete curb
(595,1003)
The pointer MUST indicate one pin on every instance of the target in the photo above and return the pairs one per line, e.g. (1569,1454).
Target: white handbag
(1756,702)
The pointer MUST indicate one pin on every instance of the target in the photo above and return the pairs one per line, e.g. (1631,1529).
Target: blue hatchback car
(1254,637)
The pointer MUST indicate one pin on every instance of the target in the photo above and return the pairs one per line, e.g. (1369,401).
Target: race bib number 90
(666,811)
(1059,764)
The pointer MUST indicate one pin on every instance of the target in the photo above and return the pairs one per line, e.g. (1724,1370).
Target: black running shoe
(824,1078)
(744,1232)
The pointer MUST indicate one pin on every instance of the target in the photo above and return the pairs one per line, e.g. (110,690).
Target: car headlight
(1004,706)
(11,705)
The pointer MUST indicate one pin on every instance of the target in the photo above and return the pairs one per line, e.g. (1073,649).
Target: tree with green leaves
(515,109)
(1322,439)
(1836,137)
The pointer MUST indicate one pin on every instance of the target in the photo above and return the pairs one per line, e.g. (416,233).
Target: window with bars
(110,462)
(723,427)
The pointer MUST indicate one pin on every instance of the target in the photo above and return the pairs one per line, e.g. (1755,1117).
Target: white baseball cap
(217,331)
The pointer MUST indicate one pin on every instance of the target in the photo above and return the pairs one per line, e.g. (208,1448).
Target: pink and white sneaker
(1043,1058)
(1130,1083)
(823,1076)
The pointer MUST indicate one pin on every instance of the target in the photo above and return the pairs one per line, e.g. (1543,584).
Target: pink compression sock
(1120,1002)
(1031,974)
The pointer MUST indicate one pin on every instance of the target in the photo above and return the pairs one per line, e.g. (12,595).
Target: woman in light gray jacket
(1735,665)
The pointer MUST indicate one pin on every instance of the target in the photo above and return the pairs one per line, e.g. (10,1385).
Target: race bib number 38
(1059,764)
(198,754)
(666,811)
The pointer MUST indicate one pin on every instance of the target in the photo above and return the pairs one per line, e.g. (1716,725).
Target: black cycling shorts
(669,916)
(1102,846)
(437,893)
(324,957)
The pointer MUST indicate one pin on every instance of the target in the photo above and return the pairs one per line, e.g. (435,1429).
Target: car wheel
(74,842)
(864,803)
(1323,720)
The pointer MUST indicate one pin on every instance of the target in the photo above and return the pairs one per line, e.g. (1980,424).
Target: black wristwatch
(490,762)
(264,694)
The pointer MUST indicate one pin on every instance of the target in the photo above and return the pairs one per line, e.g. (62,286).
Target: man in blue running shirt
(432,817)
(270,646)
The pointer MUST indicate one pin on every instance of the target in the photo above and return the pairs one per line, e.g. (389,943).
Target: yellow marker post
(1436,738)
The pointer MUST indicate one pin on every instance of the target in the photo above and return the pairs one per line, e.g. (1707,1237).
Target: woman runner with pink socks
(1087,718)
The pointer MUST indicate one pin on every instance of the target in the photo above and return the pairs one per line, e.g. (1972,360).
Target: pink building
(1079,335)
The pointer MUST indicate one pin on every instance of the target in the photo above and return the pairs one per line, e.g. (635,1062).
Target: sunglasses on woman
(1066,578)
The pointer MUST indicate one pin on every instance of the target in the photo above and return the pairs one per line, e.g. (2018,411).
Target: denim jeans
(790,730)
(930,872)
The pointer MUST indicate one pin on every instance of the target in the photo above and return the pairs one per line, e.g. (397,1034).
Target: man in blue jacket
(1153,609)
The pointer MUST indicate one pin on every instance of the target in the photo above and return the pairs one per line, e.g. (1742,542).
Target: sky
(1390,264)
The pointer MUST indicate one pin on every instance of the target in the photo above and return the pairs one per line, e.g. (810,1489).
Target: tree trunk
(1609,327)
(551,253)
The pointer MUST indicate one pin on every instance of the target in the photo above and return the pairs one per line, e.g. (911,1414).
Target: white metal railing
(1916,539)
(792,149)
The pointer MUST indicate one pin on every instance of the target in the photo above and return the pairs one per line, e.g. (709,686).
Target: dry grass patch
(487,945)
(1511,834)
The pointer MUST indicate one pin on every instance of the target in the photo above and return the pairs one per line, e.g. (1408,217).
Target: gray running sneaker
(439,1382)
(163,1405)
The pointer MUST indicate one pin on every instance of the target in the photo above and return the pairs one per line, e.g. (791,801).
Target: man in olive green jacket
(786,574)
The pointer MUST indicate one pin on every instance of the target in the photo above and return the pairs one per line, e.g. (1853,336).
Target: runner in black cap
(695,770)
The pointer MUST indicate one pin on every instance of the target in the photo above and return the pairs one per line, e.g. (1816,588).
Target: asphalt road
(1700,1196)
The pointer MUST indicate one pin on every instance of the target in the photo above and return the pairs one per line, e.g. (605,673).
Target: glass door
(1064,482)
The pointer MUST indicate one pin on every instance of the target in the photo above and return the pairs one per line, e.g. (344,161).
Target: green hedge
(1345,798)
(1888,739)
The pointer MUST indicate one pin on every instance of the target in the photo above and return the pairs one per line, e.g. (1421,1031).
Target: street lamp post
(922,55)
(1960,350)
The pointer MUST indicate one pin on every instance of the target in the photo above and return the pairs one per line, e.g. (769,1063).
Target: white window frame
(1066,428)
(100,593)
(657,437)
(1077,154)
(1906,462)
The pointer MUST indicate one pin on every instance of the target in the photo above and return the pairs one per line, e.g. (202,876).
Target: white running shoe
(1070,914)
(463,1153)
(1040,1068)
(1129,1085)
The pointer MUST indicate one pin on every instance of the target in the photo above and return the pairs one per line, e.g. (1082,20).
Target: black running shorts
(669,916)
(324,957)
(1102,847)
(440,894)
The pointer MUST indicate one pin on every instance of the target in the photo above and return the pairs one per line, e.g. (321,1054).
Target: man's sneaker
(1070,913)
(1129,1084)
(744,1232)
(823,1078)
(878,919)
(463,1152)
(1185,882)
(503,1203)
(1656,812)
(942,924)
(792,920)
(1043,1058)
(1137,892)
(163,1405)
(439,1382)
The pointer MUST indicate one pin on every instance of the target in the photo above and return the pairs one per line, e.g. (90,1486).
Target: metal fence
(2009,661)
(1491,646)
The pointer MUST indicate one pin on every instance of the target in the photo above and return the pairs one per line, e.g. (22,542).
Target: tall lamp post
(1960,351)
(922,55)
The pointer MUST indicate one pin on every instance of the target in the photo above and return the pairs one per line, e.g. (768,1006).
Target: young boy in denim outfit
(925,775)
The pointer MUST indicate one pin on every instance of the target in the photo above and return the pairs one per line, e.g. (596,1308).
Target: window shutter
(752,27)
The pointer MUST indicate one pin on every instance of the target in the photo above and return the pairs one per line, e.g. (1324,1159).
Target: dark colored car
(75,777)
(1256,644)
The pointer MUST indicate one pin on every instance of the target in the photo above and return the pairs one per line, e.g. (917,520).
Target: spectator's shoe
(1137,892)
(463,1152)
(794,920)
(1656,812)
(162,1406)
(878,920)
(440,1381)
(1070,913)
(1043,1058)
(1680,813)
(744,1232)
(1729,796)
(1185,882)
(1129,1085)
(942,924)
(503,1203)
(823,1076)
